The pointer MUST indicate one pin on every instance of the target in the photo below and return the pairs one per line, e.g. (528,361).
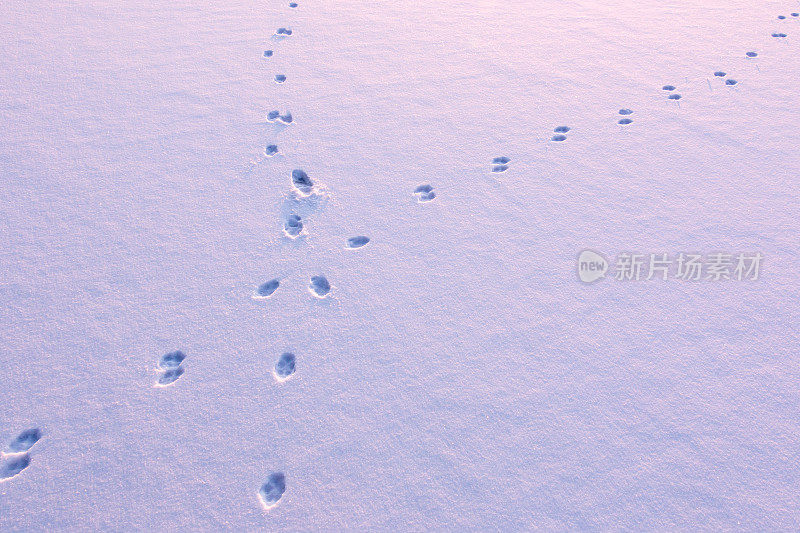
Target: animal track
(668,88)
(293,226)
(283,31)
(720,74)
(275,116)
(424,193)
(170,365)
(499,168)
(500,164)
(731,82)
(795,14)
(779,35)
(302,182)
(24,441)
(561,129)
(169,376)
(751,54)
(272,490)
(625,121)
(357,242)
(268,53)
(319,286)
(781,17)
(280,78)
(12,466)
(558,138)
(675,96)
(171,360)
(559,133)
(285,366)
(625,111)
(267,289)
(271,150)
(292,4)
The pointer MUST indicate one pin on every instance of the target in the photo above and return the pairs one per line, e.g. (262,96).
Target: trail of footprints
(15,458)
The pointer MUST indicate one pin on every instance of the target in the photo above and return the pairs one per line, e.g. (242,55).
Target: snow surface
(457,376)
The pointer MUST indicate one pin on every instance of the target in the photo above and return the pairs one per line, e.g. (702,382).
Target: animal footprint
(720,74)
(268,53)
(779,35)
(781,17)
(500,164)
(731,82)
(12,466)
(292,4)
(625,112)
(302,183)
(751,54)
(280,78)
(424,193)
(170,367)
(266,289)
(559,133)
(271,150)
(319,286)
(675,96)
(357,242)
(285,366)
(24,441)
(275,116)
(668,88)
(293,226)
(171,360)
(625,121)
(283,31)
(272,490)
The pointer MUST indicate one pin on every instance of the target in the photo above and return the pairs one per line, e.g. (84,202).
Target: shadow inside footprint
(751,54)
(272,490)
(268,53)
(171,360)
(280,78)
(283,31)
(293,226)
(625,121)
(319,286)
(271,150)
(561,129)
(169,376)
(668,88)
(501,160)
(499,168)
(625,111)
(357,242)
(285,366)
(731,82)
(301,181)
(267,289)
(12,466)
(24,441)
(558,138)
(720,74)
(674,97)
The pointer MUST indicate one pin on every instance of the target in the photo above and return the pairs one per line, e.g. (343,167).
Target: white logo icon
(591,266)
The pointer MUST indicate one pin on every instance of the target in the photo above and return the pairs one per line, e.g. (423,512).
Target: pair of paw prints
(626,113)
(670,89)
(729,81)
(170,366)
(500,164)
(15,457)
(318,286)
(276,116)
(559,133)
(424,193)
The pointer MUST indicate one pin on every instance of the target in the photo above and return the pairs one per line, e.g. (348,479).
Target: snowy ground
(458,376)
